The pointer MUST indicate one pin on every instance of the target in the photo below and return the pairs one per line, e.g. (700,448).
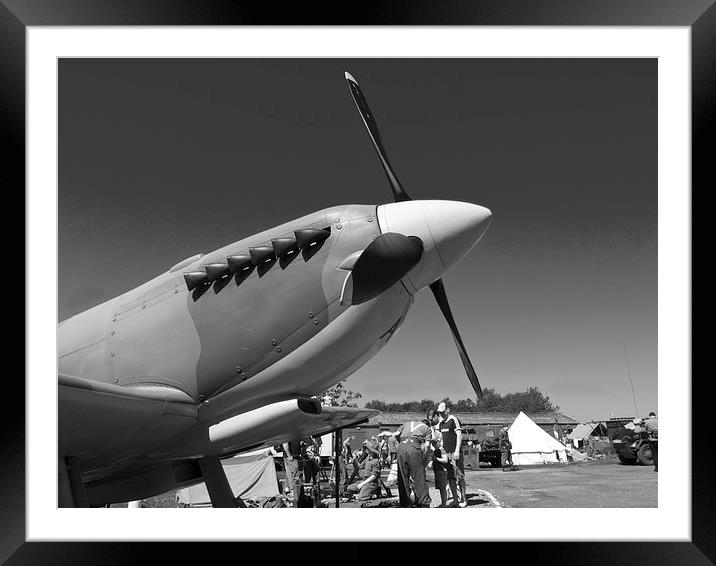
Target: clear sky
(161,159)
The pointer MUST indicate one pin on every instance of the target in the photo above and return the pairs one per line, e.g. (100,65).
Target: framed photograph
(240,210)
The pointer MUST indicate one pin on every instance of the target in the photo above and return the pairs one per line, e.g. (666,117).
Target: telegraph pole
(630,381)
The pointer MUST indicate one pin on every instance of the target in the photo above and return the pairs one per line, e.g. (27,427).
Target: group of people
(302,464)
(448,462)
(435,442)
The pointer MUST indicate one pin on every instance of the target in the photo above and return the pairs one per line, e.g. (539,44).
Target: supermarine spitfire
(223,352)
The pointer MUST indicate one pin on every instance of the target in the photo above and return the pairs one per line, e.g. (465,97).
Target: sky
(160,159)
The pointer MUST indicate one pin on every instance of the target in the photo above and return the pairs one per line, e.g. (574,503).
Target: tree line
(530,401)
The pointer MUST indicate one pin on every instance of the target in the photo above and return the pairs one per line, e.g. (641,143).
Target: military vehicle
(631,447)
(490,452)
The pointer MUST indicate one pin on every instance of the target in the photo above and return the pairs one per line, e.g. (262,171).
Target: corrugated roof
(395,419)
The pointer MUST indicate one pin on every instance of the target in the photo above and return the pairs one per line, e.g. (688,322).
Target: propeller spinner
(447,230)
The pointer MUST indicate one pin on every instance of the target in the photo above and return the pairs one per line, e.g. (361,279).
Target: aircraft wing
(104,424)
(113,428)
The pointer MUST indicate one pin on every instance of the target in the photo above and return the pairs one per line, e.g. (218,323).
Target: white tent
(532,445)
(251,475)
(582,431)
(327,441)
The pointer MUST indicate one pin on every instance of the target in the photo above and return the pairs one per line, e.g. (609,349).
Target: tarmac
(584,484)
(591,484)
(601,483)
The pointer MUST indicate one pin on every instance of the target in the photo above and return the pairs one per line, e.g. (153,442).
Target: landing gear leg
(64,492)
(71,491)
(216,483)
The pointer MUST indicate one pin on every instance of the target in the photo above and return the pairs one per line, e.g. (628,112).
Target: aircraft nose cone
(456,227)
(448,230)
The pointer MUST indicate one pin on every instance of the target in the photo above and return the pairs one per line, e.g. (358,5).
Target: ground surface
(602,483)
(589,484)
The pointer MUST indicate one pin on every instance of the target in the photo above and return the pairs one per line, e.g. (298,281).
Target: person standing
(291,461)
(392,449)
(435,420)
(652,427)
(506,448)
(308,460)
(383,447)
(440,463)
(344,459)
(413,437)
(452,445)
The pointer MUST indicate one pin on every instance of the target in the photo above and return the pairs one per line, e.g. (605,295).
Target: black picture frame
(699,15)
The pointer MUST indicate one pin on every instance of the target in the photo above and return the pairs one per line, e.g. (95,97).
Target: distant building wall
(475,425)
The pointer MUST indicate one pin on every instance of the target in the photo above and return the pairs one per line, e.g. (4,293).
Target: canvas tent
(327,445)
(532,445)
(585,430)
(582,431)
(251,476)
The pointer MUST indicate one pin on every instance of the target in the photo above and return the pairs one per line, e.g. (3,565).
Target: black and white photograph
(357,283)
(284,268)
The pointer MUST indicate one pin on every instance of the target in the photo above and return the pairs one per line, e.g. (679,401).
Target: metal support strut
(71,491)
(216,483)
(337,466)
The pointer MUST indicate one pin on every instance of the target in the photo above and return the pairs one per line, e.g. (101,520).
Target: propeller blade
(438,290)
(399,195)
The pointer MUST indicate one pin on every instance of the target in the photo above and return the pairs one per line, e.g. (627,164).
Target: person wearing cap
(451,431)
(652,428)
(373,442)
(370,475)
(414,437)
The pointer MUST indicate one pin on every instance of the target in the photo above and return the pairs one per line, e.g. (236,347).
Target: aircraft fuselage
(216,344)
